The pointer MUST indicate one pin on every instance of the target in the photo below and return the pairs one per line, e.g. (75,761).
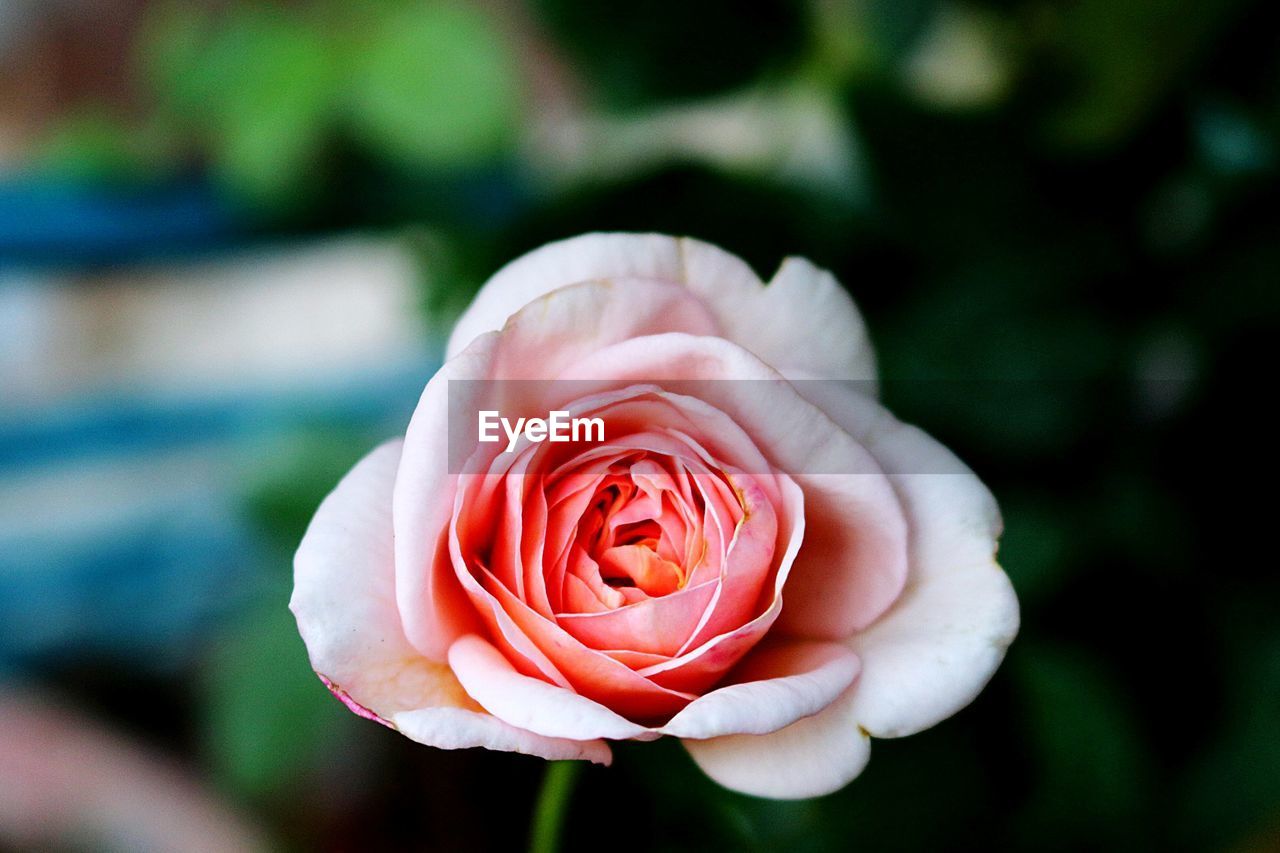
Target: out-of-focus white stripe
(260,319)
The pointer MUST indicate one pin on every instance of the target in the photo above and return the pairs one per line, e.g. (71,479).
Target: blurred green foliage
(1125,57)
(1063,224)
(271,96)
(434,85)
(94,145)
(266,725)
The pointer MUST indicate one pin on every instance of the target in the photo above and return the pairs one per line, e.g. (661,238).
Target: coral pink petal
(590,672)
(657,626)
(855,560)
(746,566)
(701,667)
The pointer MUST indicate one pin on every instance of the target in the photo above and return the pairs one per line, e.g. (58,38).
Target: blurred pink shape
(65,778)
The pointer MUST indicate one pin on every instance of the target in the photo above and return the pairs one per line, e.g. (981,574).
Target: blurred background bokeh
(233,234)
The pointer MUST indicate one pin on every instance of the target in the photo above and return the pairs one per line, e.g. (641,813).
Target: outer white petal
(460,728)
(809,758)
(779,685)
(344,601)
(530,703)
(803,320)
(775,686)
(433,609)
(578,259)
(925,659)
(940,643)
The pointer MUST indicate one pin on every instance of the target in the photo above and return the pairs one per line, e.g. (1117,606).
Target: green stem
(552,806)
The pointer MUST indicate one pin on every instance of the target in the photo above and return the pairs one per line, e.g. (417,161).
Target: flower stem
(552,806)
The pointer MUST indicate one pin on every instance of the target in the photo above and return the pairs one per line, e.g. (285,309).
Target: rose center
(641,553)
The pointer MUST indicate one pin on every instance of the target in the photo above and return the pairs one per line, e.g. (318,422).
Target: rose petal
(706,664)
(454,728)
(656,257)
(775,687)
(854,562)
(590,672)
(433,609)
(933,652)
(753,549)
(789,681)
(809,758)
(571,322)
(656,626)
(529,703)
(344,601)
(803,319)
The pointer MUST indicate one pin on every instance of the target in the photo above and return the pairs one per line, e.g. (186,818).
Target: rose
(556,597)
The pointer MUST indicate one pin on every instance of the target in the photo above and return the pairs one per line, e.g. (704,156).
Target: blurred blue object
(87,429)
(56,222)
(122,531)
(142,409)
(144,592)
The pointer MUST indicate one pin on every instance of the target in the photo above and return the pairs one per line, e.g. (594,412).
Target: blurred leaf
(290,483)
(172,39)
(918,793)
(452,275)
(269,721)
(1124,58)
(92,145)
(433,85)
(1138,504)
(1090,763)
(1025,383)
(257,87)
(1179,216)
(893,26)
(1036,549)
(1233,789)
(276,109)
(1169,367)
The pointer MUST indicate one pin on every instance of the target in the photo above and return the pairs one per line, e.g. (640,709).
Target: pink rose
(554,597)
